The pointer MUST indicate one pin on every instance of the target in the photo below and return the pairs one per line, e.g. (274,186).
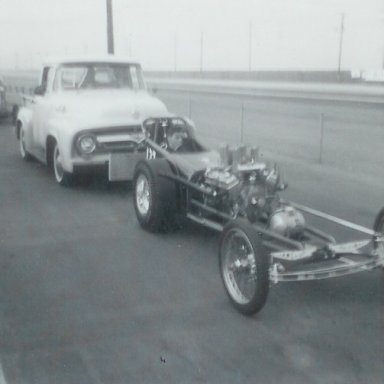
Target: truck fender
(24,118)
(57,134)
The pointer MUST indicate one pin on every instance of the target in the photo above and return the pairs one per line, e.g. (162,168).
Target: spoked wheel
(378,226)
(154,196)
(22,146)
(244,267)
(143,195)
(62,177)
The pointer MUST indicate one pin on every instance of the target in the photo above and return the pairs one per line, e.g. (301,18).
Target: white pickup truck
(85,115)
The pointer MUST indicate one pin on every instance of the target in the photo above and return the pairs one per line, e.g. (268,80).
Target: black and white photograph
(191,191)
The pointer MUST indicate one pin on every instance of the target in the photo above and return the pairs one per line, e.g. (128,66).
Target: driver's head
(175,136)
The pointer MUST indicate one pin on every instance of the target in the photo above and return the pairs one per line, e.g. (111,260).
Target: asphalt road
(86,296)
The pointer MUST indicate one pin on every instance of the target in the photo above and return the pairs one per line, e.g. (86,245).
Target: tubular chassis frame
(292,260)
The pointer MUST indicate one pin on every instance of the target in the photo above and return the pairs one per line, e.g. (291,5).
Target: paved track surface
(86,296)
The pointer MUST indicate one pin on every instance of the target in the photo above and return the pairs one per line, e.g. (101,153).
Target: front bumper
(116,152)
(116,166)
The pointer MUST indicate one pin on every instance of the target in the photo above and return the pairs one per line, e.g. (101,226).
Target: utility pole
(201,51)
(110,41)
(382,22)
(175,52)
(341,41)
(250,47)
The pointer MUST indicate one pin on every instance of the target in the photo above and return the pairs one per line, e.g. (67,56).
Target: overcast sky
(190,34)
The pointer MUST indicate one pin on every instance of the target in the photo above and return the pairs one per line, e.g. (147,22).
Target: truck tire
(244,267)
(154,196)
(61,176)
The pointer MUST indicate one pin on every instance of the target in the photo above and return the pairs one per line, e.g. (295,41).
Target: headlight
(86,144)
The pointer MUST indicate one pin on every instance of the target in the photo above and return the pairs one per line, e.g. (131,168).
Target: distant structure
(110,40)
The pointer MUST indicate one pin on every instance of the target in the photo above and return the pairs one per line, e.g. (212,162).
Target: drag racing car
(264,238)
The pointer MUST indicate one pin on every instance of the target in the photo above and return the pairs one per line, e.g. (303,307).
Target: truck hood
(101,108)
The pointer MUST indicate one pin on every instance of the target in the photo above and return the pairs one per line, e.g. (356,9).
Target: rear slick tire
(154,196)
(244,267)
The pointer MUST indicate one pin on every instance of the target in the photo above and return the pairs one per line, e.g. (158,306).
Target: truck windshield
(99,75)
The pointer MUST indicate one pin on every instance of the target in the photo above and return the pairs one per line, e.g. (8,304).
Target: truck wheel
(244,267)
(25,155)
(154,196)
(62,177)
(378,226)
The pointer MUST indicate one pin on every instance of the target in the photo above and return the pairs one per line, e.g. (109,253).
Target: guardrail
(355,92)
(313,91)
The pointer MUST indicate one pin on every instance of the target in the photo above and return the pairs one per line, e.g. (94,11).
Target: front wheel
(244,267)
(62,177)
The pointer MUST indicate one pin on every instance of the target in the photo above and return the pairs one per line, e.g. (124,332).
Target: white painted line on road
(2,378)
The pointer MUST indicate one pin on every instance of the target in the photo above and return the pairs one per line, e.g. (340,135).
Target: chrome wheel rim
(57,165)
(143,196)
(239,266)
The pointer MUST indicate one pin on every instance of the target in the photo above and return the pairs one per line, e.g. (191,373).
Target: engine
(244,186)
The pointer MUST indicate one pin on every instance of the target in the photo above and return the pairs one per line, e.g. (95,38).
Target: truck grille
(116,139)
(120,139)
(122,146)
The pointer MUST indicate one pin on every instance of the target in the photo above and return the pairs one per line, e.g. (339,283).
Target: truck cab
(83,113)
